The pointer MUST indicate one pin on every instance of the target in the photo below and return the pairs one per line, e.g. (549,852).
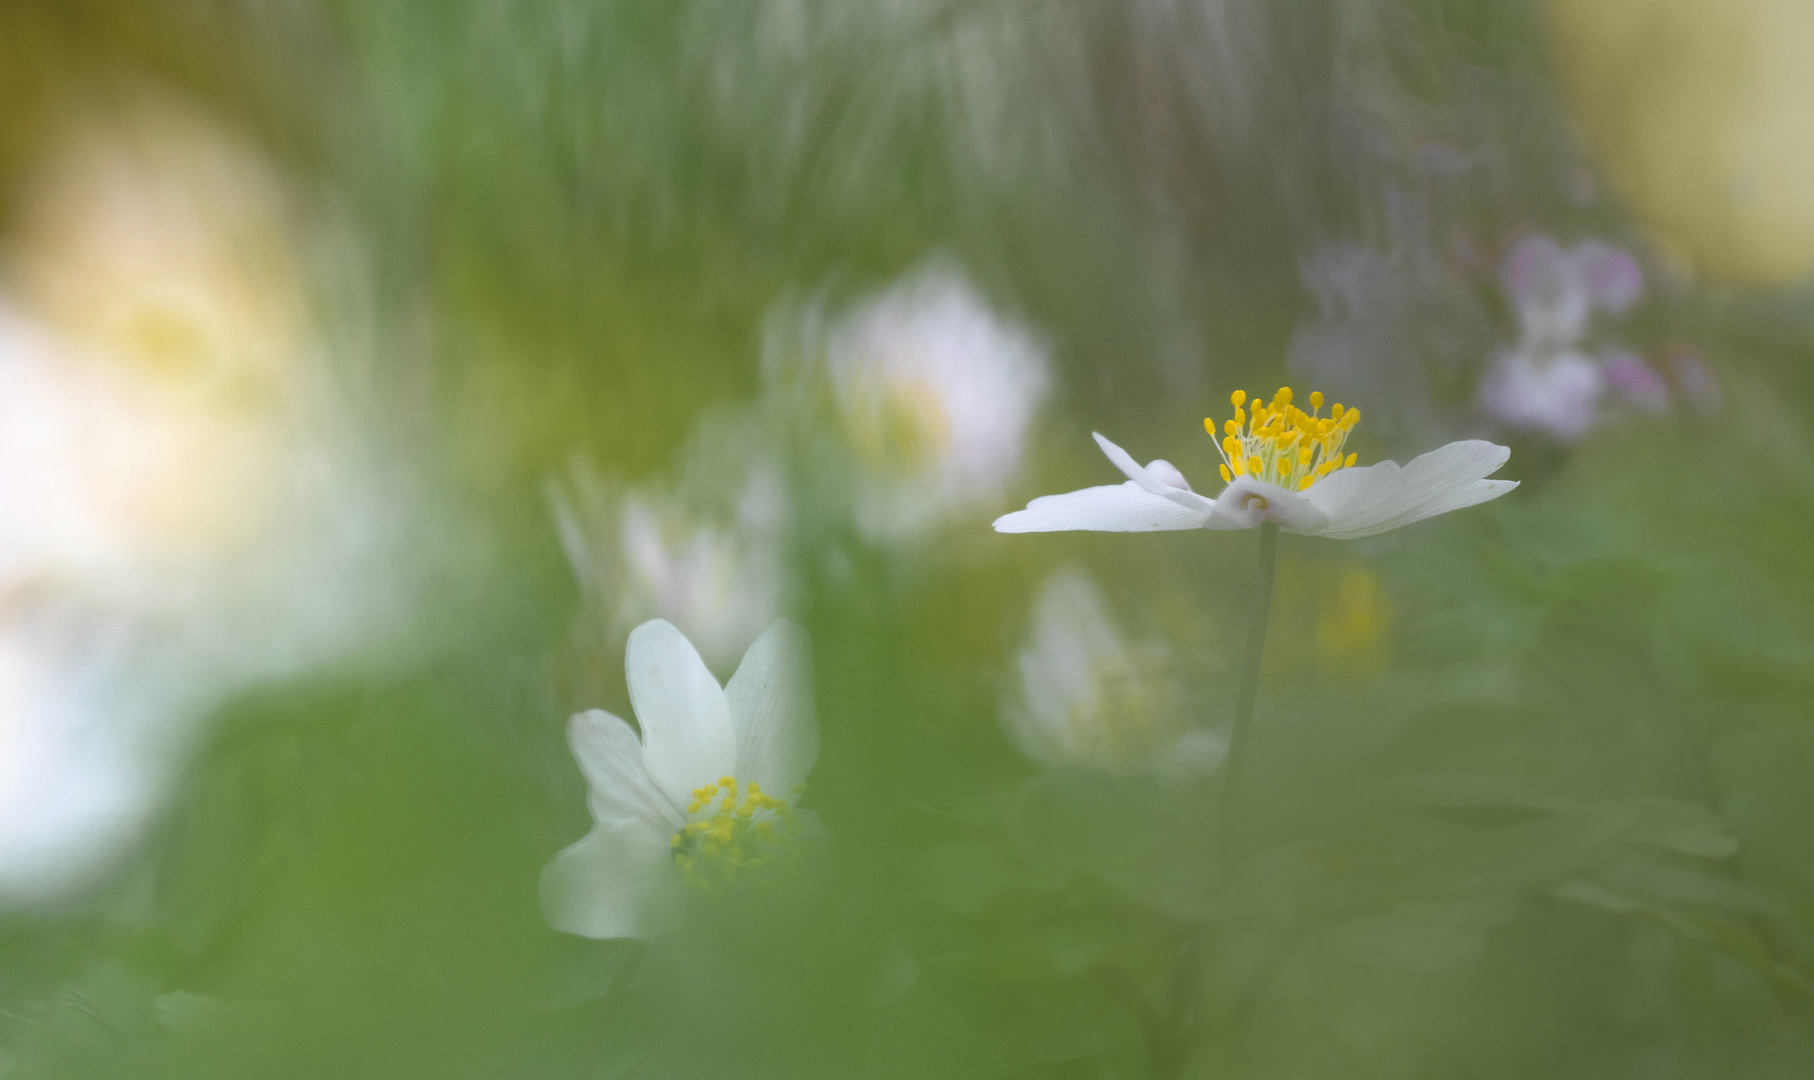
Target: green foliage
(1550,818)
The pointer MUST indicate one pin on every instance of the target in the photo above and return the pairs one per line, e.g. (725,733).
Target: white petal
(1167,473)
(1111,508)
(1197,752)
(1248,502)
(771,698)
(617,787)
(609,884)
(687,738)
(1147,482)
(1372,499)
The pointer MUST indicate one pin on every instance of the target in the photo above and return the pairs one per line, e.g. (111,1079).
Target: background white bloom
(1089,697)
(716,571)
(185,509)
(934,392)
(703,796)
(1555,393)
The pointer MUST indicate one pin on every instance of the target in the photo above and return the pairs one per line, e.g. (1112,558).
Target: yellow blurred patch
(1333,622)
(1698,112)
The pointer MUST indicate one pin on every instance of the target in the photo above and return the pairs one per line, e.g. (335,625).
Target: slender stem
(1228,807)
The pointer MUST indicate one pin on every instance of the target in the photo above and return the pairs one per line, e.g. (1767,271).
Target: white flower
(186,511)
(1556,290)
(703,797)
(74,782)
(155,238)
(1282,466)
(1090,698)
(934,393)
(649,554)
(1557,394)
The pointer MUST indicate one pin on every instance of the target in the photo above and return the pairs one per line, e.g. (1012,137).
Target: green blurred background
(385,317)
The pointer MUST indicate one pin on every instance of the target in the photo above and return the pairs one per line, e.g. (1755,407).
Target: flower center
(1130,713)
(902,423)
(1281,443)
(734,832)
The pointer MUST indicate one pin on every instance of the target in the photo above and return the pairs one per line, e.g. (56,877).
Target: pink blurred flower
(1548,381)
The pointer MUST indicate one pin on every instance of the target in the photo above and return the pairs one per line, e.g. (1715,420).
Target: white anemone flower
(189,509)
(656,553)
(1282,466)
(703,798)
(935,392)
(1089,697)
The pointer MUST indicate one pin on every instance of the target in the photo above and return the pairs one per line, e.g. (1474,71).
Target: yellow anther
(1349,464)
(1281,443)
(729,838)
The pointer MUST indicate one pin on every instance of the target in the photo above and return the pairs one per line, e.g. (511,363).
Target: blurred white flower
(703,798)
(1558,394)
(184,512)
(1090,698)
(934,392)
(1556,290)
(1282,466)
(70,781)
(642,554)
(1548,381)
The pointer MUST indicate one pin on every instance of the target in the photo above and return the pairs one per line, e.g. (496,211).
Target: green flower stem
(1229,803)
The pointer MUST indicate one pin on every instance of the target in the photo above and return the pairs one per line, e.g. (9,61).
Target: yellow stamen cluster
(1281,443)
(736,831)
